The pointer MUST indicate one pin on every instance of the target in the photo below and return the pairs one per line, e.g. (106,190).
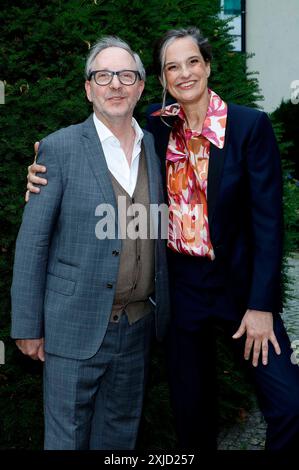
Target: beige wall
(272,33)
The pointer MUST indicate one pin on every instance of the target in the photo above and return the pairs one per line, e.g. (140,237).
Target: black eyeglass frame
(117,73)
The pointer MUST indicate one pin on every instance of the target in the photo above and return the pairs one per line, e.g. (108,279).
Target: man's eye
(102,75)
(194,61)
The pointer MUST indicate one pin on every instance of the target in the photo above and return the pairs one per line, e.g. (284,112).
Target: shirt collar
(105,133)
(214,125)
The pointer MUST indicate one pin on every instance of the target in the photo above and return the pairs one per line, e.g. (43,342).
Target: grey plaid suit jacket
(64,276)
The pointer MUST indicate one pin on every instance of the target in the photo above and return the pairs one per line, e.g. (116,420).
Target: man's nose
(115,83)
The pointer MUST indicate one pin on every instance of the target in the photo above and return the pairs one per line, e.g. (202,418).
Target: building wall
(272,33)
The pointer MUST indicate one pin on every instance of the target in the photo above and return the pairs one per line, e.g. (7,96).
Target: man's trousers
(97,403)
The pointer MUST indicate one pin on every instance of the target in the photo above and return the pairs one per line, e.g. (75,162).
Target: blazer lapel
(216,162)
(95,155)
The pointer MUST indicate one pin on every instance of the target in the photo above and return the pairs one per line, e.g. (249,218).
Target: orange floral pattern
(187,161)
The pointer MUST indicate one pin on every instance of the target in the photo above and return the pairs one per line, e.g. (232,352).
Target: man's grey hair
(112,41)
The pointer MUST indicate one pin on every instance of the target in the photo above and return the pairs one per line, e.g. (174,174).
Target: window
(235,11)
(232,7)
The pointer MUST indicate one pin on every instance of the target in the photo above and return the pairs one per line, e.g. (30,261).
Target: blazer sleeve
(32,247)
(265,191)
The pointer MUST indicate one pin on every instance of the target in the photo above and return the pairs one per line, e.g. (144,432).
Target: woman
(225,237)
(223,181)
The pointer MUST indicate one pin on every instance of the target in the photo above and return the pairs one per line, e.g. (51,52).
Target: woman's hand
(258,327)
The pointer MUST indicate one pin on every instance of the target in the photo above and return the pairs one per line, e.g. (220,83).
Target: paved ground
(250,434)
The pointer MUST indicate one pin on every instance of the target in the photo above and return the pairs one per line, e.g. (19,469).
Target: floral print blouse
(187,161)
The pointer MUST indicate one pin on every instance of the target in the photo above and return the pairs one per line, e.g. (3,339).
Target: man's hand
(33,348)
(31,176)
(259,329)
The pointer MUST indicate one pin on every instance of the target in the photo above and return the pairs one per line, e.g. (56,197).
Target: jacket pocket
(60,285)
(67,263)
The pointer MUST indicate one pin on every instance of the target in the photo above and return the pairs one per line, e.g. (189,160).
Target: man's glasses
(104,77)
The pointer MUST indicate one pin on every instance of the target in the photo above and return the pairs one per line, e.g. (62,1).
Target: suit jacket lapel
(153,169)
(97,161)
(162,133)
(164,136)
(216,162)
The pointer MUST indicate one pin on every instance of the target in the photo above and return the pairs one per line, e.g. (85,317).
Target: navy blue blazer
(244,205)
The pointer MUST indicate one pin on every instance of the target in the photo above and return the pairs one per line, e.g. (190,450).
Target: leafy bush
(288,115)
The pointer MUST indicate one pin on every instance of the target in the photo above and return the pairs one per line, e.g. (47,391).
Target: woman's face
(186,72)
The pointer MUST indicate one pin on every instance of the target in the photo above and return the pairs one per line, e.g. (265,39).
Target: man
(82,302)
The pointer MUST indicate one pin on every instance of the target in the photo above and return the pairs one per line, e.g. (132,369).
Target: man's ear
(141,88)
(88,90)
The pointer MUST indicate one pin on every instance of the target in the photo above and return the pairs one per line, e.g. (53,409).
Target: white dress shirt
(115,156)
